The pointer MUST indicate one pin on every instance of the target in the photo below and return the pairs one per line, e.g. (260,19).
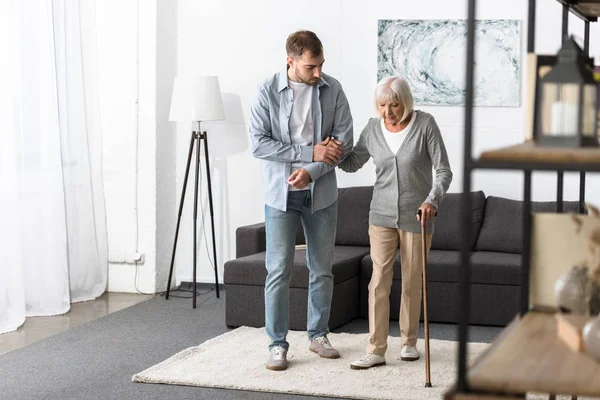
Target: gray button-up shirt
(271,140)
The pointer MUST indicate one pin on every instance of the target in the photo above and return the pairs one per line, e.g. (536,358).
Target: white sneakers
(409,353)
(368,361)
(323,348)
(277,359)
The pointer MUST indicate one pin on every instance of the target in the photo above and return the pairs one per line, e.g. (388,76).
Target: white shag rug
(236,360)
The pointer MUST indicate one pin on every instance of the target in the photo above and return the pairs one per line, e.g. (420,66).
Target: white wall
(243,43)
(118,90)
(137,64)
(166,143)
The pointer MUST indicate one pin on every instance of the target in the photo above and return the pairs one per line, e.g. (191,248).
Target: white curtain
(53,243)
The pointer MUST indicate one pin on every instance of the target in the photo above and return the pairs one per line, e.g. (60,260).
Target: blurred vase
(591,338)
(573,291)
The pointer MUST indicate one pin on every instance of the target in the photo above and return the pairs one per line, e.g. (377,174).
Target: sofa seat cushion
(251,270)
(494,268)
(487,267)
(442,266)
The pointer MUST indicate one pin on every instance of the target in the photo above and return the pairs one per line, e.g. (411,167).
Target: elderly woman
(406,145)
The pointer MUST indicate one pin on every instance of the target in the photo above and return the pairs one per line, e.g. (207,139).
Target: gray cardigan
(403,180)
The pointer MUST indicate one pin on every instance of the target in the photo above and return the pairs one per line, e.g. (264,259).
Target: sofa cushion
(442,266)
(250,239)
(490,267)
(447,235)
(250,270)
(502,226)
(354,204)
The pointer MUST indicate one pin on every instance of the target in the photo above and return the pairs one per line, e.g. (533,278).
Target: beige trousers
(384,243)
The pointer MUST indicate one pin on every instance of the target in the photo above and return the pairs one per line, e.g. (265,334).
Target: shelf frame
(488,162)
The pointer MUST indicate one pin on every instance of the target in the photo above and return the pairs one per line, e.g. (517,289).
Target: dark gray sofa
(496,264)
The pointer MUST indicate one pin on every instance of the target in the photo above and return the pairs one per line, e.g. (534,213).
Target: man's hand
(299,179)
(331,142)
(329,151)
(427,212)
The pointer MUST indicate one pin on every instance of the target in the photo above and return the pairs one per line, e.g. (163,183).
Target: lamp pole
(197,138)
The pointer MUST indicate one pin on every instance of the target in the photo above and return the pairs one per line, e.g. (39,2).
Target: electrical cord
(171,291)
(211,261)
(202,222)
(187,291)
(137,142)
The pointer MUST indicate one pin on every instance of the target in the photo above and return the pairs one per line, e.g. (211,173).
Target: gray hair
(396,89)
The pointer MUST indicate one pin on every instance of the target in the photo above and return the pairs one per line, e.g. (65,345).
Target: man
(296,114)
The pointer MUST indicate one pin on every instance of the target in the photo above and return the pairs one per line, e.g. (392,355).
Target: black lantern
(568,101)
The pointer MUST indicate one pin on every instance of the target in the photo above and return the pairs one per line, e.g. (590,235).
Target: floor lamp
(196,99)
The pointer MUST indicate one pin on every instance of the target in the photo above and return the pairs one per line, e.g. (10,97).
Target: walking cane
(425,316)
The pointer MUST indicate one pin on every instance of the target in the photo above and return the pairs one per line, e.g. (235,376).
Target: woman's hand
(427,212)
(331,142)
(329,151)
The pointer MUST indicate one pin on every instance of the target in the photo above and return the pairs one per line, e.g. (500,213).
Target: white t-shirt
(301,119)
(395,139)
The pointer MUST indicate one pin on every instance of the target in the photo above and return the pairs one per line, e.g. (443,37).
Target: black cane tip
(427,384)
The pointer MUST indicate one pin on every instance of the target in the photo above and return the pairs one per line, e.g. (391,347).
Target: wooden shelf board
(529,152)
(585,9)
(531,358)
(588,8)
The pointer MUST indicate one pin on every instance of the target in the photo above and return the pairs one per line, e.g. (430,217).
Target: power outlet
(121,257)
(133,258)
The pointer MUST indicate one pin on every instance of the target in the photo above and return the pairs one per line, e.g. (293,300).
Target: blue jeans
(319,230)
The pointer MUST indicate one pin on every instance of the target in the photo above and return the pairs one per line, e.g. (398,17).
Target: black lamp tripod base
(196,139)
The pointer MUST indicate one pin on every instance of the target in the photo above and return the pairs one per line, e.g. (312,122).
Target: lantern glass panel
(560,109)
(590,109)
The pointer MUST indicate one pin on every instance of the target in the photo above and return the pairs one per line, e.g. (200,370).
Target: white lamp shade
(196,98)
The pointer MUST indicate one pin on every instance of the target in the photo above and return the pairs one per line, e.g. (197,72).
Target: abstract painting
(430,55)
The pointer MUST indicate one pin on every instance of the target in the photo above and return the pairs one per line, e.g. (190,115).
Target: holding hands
(329,151)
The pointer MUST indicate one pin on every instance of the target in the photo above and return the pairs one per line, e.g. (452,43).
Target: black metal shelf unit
(588,11)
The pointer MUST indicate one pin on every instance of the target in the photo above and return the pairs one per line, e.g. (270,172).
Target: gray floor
(97,359)
(38,328)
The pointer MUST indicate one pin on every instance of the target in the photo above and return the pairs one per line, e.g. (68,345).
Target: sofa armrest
(250,239)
